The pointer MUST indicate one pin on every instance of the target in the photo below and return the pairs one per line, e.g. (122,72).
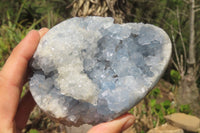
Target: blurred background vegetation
(18,17)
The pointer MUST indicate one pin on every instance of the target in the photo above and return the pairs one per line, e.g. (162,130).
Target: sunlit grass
(16,25)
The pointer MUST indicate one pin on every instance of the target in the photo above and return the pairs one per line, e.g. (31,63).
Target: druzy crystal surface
(90,70)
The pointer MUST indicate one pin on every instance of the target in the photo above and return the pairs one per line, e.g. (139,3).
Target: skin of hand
(14,112)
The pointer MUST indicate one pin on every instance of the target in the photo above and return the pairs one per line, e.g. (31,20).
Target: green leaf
(166,104)
(171,111)
(185,109)
(33,131)
(157,108)
(175,76)
(153,102)
(23,91)
(155,92)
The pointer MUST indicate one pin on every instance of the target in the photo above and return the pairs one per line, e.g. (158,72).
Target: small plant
(185,109)
(159,109)
(175,76)
(155,93)
(156,110)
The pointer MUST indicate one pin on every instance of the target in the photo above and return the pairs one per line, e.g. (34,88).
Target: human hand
(115,126)
(14,112)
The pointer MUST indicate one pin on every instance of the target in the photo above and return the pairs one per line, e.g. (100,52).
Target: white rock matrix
(90,70)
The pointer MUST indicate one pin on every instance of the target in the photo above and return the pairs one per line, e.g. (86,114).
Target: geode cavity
(89,70)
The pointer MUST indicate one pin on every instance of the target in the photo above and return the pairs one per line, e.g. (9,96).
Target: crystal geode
(89,70)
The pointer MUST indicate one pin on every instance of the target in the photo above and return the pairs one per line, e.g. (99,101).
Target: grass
(16,23)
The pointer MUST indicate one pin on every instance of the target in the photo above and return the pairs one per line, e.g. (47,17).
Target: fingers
(116,126)
(27,103)
(12,76)
(43,31)
(15,67)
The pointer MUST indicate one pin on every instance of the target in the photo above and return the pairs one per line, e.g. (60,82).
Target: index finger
(15,67)
(13,73)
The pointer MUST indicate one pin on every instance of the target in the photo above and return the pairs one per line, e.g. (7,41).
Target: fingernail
(128,124)
(42,31)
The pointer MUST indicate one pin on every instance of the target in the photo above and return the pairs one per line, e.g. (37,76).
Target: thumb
(116,126)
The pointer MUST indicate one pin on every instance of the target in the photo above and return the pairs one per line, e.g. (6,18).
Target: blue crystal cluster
(89,70)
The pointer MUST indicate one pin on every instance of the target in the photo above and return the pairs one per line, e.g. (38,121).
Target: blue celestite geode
(89,70)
